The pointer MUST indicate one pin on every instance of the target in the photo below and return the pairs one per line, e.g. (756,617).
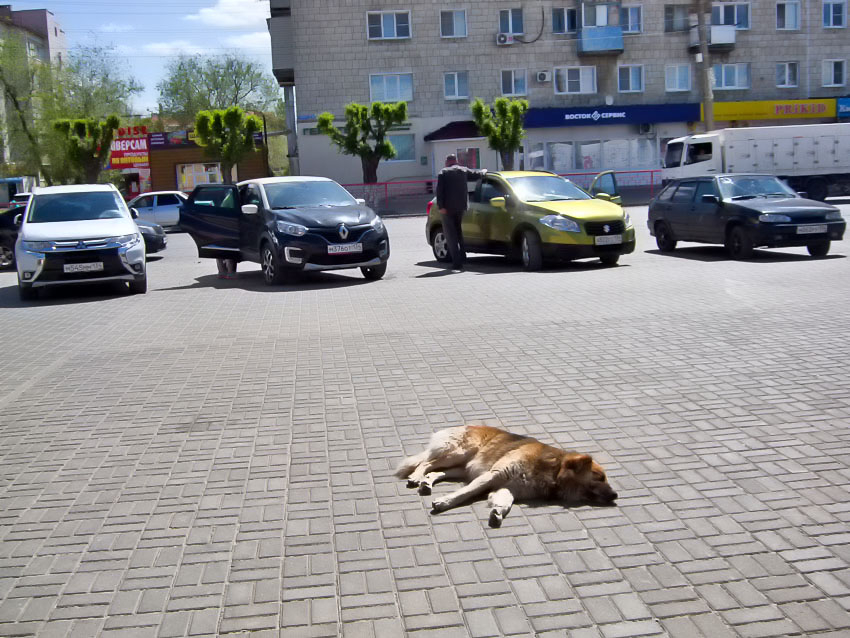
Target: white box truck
(814,158)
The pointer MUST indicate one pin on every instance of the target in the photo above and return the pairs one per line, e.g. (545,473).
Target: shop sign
(774,110)
(129,152)
(843,106)
(184,139)
(132,131)
(595,115)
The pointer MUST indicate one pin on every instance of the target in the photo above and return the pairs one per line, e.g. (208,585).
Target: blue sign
(842,107)
(595,115)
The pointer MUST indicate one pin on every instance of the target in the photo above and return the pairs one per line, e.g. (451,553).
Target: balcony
(721,37)
(600,40)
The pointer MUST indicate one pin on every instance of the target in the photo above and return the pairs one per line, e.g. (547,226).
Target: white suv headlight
(38,246)
(561,223)
(126,241)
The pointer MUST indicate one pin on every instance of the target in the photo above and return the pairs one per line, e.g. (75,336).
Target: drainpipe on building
(292,130)
(705,66)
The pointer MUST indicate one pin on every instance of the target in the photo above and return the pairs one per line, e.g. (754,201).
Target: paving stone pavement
(216,457)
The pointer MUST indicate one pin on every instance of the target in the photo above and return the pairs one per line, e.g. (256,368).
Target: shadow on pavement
(65,295)
(718,253)
(253,280)
(491,265)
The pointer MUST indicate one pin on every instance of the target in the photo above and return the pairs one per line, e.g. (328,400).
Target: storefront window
(615,154)
(590,155)
(561,156)
(536,157)
(190,175)
(469,157)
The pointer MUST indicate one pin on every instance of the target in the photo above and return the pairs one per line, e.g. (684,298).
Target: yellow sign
(774,110)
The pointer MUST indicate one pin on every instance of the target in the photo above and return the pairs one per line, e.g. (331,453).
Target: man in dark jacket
(452,201)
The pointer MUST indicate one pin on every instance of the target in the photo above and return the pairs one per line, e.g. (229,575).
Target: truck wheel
(818,248)
(817,188)
(739,245)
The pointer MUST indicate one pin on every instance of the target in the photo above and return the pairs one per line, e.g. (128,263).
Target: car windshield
(73,207)
(752,186)
(307,193)
(545,188)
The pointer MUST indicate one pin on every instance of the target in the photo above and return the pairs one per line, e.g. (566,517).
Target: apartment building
(608,82)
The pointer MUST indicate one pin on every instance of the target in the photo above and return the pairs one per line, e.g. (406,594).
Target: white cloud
(111,27)
(257,42)
(234,14)
(176,47)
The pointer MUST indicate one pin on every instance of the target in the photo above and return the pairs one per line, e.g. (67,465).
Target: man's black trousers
(454,237)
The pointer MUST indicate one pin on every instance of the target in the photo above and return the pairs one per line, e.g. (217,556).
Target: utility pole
(704,63)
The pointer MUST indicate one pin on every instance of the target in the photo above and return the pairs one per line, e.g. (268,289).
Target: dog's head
(580,478)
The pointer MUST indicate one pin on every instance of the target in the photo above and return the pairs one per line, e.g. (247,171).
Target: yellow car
(538,216)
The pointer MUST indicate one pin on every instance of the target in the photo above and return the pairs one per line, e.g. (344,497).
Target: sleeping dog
(505,465)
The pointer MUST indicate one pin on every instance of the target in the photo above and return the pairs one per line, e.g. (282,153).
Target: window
(564,20)
(190,175)
(469,157)
(732,13)
(510,21)
(788,16)
(391,87)
(676,17)
(685,192)
(589,155)
(453,24)
(630,78)
(144,202)
(700,152)
(561,156)
(730,76)
(673,156)
(575,79)
(513,82)
(630,18)
(490,188)
(456,85)
(677,77)
(833,14)
(833,72)
(250,195)
(168,200)
(787,74)
(705,188)
(388,25)
(404,145)
(594,15)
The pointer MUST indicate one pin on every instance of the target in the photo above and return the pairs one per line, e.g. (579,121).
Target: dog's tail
(406,467)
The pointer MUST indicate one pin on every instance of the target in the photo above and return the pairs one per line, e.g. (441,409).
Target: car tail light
(428,207)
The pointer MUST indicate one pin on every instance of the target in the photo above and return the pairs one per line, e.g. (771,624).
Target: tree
(86,144)
(198,83)
(365,133)
(227,136)
(502,126)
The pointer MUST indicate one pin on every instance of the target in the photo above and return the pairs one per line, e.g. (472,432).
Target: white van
(78,234)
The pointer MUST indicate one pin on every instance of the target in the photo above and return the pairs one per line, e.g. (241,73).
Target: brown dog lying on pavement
(506,465)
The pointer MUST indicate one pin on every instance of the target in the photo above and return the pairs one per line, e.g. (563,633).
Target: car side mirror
(603,196)
(360,201)
(710,199)
(250,209)
(803,194)
(134,213)
(498,202)
(18,219)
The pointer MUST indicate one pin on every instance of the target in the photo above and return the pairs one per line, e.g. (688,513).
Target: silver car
(161,207)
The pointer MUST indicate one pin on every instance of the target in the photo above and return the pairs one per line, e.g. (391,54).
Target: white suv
(78,234)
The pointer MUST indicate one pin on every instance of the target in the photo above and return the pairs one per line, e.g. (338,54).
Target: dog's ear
(575,464)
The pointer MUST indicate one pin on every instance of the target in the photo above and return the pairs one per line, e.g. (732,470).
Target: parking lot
(215,457)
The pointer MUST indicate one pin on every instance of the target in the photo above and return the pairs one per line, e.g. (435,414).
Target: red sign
(132,131)
(129,152)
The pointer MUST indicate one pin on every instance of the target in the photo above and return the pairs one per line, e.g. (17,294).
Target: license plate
(340,249)
(606,240)
(812,229)
(92,267)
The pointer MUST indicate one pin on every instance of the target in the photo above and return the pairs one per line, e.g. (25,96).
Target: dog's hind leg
(427,482)
(408,465)
(499,503)
(484,482)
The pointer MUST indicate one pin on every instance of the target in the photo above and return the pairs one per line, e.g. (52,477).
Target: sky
(146,34)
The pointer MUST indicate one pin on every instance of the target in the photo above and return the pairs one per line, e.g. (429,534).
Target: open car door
(211,217)
(604,186)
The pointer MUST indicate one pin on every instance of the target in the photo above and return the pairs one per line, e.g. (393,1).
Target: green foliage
(501,125)
(365,133)
(85,143)
(198,83)
(227,135)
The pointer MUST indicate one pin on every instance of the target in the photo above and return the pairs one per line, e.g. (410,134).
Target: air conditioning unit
(544,76)
(645,129)
(504,39)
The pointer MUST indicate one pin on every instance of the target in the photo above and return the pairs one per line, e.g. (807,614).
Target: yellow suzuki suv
(537,216)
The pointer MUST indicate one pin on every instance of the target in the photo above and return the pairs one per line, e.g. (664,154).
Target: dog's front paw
(495,518)
(411,483)
(439,505)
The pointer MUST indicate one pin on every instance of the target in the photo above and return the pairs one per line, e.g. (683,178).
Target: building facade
(608,83)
